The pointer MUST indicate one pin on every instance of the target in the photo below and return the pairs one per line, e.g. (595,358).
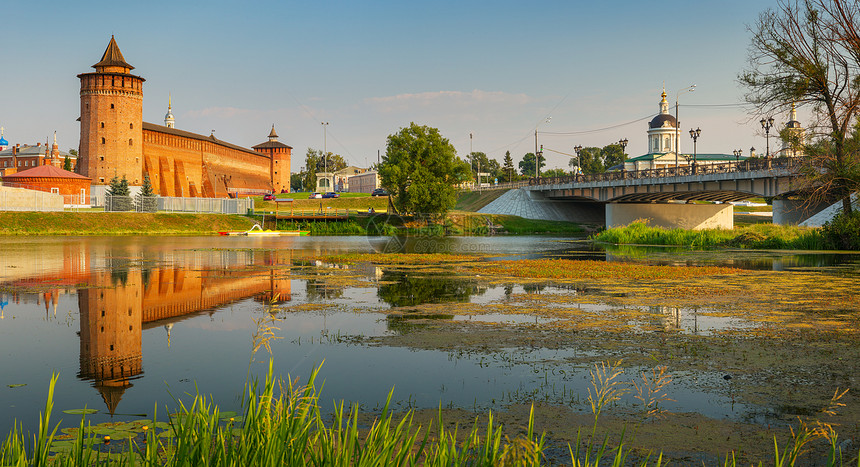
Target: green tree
(67,163)
(479,160)
(118,198)
(421,170)
(315,163)
(145,199)
(508,173)
(297,181)
(527,165)
(554,173)
(808,52)
(612,155)
(590,161)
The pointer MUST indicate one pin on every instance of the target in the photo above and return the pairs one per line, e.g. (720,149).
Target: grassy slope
(352,201)
(117,223)
(475,200)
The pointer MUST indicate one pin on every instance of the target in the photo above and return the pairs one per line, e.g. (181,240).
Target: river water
(131,322)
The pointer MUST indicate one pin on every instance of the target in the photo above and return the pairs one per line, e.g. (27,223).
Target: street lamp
(623,144)
(325,152)
(538,155)
(678,123)
(766,125)
(537,159)
(577,149)
(695,135)
(737,153)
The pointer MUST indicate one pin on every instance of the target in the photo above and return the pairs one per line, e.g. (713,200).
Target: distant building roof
(46,171)
(31,151)
(112,57)
(271,144)
(660,120)
(188,134)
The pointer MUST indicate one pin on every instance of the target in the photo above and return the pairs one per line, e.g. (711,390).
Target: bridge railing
(748,165)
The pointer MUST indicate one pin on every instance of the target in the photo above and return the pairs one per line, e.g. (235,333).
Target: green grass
(754,236)
(351,201)
(475,200)
(284,428)
(118,223)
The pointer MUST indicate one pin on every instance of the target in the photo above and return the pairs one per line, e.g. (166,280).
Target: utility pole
(325,153)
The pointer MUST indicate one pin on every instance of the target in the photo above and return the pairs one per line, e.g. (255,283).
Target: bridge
(665,196)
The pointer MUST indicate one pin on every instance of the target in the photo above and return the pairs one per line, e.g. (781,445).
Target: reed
(282,425)
(755,236)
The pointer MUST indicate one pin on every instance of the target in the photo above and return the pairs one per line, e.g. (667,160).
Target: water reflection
(127,289)
(400,288)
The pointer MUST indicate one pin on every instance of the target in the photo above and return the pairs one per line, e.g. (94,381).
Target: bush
(842,232)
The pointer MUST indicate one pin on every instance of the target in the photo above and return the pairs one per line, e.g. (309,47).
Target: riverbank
(132,223)
(118,223)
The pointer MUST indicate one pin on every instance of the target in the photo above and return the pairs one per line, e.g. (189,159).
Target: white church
(663,135)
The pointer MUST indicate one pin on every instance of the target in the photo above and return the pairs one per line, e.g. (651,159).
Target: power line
(596,130)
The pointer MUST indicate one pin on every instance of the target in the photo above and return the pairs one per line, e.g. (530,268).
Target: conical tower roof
(112,57)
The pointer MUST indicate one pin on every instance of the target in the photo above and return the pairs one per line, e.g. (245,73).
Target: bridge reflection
(125,289)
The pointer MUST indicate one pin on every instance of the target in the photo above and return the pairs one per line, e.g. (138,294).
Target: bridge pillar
(795,211)
(672,215)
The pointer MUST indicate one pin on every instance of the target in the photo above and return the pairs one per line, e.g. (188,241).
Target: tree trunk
(846,204)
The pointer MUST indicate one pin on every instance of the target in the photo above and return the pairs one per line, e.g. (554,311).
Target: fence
(19,199)
(170,204)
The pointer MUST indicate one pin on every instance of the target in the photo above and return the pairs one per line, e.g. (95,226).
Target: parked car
(379,192)
(315,196)
(331,194)
(268,197)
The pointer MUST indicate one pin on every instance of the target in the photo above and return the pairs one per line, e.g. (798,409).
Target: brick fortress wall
(180,163)
(116,142)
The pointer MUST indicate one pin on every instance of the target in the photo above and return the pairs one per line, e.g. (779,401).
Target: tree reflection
(402,289)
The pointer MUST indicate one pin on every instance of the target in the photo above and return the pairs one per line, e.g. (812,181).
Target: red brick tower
(279,161)
(111,120)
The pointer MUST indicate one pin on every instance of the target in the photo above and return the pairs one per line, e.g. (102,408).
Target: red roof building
(75,188)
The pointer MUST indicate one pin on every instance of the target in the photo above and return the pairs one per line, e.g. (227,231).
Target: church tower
(793,136)
(111,121)
(662,129)
(169,121)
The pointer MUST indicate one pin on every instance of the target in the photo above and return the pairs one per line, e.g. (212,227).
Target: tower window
(103,124)
(131,126)
(129,142)
(103,141)
(111,106)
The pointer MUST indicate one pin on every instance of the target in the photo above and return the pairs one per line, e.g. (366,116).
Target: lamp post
(623,144)
(577,149)
(766,125)
(538,155)
(325,152)
(695,135)
(737,153)
(537,158)
(678,123)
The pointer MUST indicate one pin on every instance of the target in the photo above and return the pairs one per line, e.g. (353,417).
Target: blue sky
(495,69)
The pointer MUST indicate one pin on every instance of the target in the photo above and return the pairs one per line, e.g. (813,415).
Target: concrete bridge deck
(662,195)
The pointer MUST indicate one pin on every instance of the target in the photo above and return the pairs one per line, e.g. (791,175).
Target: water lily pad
(161,425)
(166,434)
(80,411)
(20,385)
(227,414)
(236,431)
